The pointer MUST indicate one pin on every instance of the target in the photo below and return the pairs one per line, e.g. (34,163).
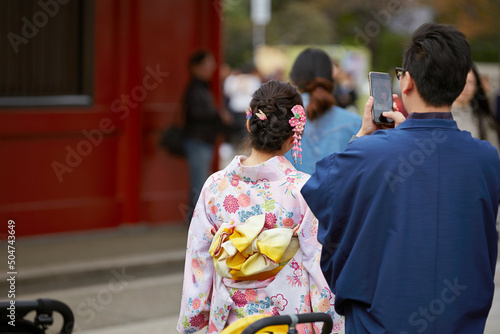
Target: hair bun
(261,104)
(275,99)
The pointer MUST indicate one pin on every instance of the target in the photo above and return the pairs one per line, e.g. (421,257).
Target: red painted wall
(121,176)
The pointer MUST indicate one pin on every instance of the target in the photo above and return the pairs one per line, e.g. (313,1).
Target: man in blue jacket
(407,215)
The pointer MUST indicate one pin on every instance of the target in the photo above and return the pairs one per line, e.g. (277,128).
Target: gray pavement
(70,260)
(125,280)
(126,276)
(142,305)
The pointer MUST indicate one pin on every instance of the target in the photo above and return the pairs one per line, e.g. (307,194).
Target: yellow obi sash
(245,252)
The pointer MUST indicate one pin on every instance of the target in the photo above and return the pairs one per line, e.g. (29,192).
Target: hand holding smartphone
(380,89)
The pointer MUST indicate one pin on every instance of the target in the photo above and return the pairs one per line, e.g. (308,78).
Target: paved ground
(121,277)
(145,303)
(121,281)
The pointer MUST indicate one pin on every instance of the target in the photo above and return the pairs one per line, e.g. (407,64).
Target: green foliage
(238,39)
(326,22)
(390,53)
(485,50)
(299,23)
(293,22)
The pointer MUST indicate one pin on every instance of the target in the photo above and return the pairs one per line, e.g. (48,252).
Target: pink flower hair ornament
(248,113)
(297,122)
(261,115)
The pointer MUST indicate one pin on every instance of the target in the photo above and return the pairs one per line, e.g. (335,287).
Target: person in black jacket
(202,122)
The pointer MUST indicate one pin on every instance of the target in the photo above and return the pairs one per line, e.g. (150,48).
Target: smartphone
(380,89)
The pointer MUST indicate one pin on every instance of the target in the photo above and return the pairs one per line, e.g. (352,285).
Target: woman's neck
(257,157)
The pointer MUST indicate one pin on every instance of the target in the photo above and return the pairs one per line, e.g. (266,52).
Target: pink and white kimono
(231,197)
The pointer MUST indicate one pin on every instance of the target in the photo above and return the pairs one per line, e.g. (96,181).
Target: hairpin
(297,122)
(248,112)
(261,115)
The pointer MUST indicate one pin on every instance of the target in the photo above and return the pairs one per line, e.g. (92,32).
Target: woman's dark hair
(438,58)
(198,57)
(481,107)
(312,73)
(276,100)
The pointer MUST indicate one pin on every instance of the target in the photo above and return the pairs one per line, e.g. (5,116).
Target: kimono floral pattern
(297,278)
(232,196)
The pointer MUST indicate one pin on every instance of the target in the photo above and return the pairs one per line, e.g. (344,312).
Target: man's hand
(368,127)
(395,115)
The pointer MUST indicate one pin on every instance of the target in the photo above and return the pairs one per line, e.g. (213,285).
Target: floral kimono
(252,249)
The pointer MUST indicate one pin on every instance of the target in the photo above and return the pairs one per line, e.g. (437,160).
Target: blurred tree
(367,23)
(360,22)
(477,19)
(292,22)
(237,33)
(298,22)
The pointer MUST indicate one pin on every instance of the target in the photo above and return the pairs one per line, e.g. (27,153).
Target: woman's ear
(248,125)
(289,143)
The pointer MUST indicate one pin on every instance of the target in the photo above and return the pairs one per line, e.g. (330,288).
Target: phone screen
(380,89)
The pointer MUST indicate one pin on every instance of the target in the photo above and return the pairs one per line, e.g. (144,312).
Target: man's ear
(407,83)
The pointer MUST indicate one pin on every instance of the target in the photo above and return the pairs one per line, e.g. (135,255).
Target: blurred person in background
(329,127)
(345,88)
(202,124)
(472,112)
(278,74)
(238,89)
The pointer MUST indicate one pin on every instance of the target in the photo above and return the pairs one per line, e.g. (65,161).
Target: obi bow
(246,252)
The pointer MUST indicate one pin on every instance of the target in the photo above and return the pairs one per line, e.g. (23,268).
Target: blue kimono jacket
(407,223)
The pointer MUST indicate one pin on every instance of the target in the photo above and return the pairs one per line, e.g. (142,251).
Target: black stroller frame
(44,309)
(292,320)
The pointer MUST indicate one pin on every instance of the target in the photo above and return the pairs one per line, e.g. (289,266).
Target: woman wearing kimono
(252,246)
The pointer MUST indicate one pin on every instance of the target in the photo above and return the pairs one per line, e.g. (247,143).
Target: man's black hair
(438,58)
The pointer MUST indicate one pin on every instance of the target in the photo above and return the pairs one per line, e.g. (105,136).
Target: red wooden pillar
(215,19)
(130,155)
(215,15)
